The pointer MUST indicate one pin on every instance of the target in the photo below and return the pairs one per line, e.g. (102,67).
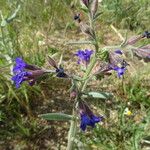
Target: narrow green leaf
(97,15)
(9,19)
(101,95)
(56,116)
(14,14)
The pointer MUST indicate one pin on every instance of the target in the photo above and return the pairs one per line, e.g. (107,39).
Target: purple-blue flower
(120,71)
(118,52)
(25,72)
(60,73)
(20,77)
(20,65)
(59,70)
(84,56)
(88,120)
(117,63)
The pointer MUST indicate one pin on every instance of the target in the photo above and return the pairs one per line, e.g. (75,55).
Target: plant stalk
(73,126)
(72,132)
(88,72)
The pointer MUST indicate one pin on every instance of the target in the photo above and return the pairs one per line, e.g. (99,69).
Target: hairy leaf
(56,116)
(100,95)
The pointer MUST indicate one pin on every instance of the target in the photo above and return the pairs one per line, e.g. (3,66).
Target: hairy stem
(73,126)
(72,132)
(88,72)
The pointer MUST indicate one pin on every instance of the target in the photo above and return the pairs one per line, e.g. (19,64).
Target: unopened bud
(146,34)
(142,53)
(86,3)
(94,7)
(146,47)
(36,73)
(133,40)
(87,30)
(73,94)
(104,68)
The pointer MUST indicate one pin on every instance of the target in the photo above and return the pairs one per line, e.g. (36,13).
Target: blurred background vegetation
(34,29)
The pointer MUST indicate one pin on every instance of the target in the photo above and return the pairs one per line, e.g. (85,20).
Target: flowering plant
(87,58)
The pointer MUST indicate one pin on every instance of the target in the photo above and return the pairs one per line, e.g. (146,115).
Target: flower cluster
(116,62)
(25,72)
(141,52)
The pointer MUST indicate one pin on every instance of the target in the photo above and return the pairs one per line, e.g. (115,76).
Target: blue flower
(25,72)
(120,71)
(118,52)
(84,56)
(60,73)
(117,63)
(20,65)
(88,120)
(87,117)
(20,77)
(19,72)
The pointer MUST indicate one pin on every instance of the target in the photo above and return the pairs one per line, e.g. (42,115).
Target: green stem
(91,21)
(88,72)
(3,38)
(93,61)
(78,42)
(72,132)
(73,126)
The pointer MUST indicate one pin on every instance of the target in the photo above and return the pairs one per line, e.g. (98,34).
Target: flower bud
(142,52)
(146,34)
(73,94)
(87,30)
(36,73)
(133,40)
(85,2)
(146,47)
(102,68)
(94,7)
(59,70)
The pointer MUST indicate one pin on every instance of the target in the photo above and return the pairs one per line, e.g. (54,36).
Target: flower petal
(84,55)
(120,71)
(19,78)
(118,52)
(19,66)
